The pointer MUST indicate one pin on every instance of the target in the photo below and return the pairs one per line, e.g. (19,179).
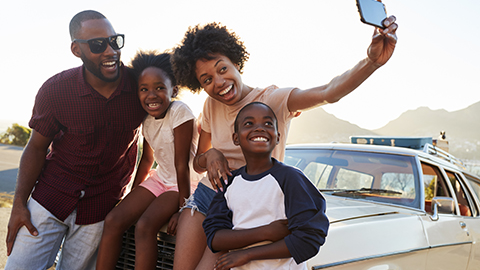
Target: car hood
(341,209)
(361,229)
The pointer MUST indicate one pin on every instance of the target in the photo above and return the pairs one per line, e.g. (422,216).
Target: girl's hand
(217,168)
(383,42)
(172,224)
(232,259)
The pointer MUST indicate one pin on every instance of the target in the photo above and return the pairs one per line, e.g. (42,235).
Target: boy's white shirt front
(265,204)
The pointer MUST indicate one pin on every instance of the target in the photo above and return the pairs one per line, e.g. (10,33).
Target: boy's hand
(232,259)
(217,168)
(277,230)
(172,224)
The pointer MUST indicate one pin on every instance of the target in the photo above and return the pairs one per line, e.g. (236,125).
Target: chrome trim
(386,255)
(365,216)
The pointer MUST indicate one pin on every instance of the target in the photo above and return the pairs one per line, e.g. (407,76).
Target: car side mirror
(442,205)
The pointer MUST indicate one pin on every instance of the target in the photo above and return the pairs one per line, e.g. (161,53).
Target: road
(9,160)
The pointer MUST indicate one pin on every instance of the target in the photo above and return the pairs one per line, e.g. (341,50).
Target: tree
(16,135)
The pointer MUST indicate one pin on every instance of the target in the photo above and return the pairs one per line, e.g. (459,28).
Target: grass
(6,199)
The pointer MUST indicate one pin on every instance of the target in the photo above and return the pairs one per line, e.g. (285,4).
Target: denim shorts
(201,199)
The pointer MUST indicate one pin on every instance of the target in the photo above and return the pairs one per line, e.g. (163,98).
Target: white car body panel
(366,234)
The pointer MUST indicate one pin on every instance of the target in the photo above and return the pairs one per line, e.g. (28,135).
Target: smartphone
(372,12)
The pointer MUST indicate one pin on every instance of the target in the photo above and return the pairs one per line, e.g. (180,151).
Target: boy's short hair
(200,42)
(76,22)
(145,59)
(235,124)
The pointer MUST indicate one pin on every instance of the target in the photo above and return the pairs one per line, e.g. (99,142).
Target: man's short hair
(77,20)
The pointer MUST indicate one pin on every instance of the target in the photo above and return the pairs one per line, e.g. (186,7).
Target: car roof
(376,149)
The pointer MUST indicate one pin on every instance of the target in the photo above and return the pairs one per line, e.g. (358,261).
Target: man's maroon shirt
(94,145)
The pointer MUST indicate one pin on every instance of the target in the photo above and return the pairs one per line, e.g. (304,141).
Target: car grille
(166,251)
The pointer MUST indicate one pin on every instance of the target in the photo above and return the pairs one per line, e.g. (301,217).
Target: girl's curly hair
(145,59)
(201,42)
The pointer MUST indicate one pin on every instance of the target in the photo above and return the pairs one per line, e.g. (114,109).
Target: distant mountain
(461,127)
(319,126)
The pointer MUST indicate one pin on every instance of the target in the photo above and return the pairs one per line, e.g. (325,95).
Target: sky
(302,43)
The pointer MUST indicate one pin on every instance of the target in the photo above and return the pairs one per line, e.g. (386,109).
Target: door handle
(463,225)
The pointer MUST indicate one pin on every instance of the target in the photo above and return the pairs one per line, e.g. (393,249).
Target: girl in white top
(170,137)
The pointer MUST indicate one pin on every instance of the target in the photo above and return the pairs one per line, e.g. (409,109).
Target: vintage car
(389,208)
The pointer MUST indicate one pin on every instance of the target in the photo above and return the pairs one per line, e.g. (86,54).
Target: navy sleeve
(218,217)
(305,209)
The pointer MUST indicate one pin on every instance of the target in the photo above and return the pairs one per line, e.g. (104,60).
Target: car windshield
(380,177)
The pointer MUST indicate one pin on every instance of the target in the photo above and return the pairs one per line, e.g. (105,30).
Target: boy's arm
(305,209)
(227,239)
(276,250)
(379,52)
(220,236)
(146,162)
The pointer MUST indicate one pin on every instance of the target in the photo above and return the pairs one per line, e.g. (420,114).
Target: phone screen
(372,12)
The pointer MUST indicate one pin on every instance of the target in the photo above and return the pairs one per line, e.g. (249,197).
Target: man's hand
(20,217)
(383,42)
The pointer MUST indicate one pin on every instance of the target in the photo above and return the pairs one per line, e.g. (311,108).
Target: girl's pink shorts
(155,185)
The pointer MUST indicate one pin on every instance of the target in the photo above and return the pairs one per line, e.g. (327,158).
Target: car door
(473,222)
(448,236)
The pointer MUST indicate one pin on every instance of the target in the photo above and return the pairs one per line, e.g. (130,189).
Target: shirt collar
(86,89)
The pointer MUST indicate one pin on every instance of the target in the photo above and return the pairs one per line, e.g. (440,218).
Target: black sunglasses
(99,45)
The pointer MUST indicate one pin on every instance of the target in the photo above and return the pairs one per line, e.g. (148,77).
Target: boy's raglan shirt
(283,192)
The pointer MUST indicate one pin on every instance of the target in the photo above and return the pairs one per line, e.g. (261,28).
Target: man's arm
(379,52)
(31,164)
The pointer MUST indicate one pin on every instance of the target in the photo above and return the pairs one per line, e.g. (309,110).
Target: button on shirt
(94,145)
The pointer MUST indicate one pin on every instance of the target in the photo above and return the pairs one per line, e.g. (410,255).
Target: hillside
(319,126)
(461,127)
(462,130)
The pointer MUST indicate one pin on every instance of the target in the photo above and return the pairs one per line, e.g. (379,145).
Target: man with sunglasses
(88,117)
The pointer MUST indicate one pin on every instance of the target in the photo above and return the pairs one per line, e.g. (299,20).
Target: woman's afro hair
(202,42)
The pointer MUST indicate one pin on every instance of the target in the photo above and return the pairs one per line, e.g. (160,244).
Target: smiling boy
(263,191)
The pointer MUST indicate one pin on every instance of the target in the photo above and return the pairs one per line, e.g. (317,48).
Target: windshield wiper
(363,190)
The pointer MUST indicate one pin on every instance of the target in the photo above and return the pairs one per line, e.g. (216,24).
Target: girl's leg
(191,240)
(208,259)
(156,215)
(117,222)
